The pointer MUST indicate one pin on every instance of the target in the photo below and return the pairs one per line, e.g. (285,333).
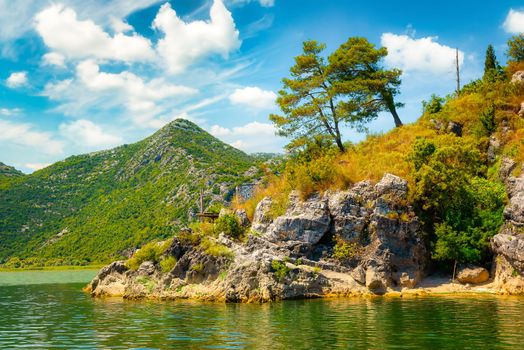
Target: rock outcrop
(518,77)
(508,244)
(292,256)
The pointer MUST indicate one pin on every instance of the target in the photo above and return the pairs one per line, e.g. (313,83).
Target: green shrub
(152,251)
(345,250)
(455,200)
(280,269)
(230,225)
(213,248)
(167,264)
(433,106)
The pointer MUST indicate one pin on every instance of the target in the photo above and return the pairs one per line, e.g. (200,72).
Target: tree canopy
(350,87)
(516,48)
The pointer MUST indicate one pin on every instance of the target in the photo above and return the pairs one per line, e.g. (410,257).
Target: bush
(213,248)
(463,208)
(433,106)
(152,251)
(280,269)
(167,264)
(344,250)
(230,225)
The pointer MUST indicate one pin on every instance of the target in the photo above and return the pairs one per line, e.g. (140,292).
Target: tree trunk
(340,144)
(390,103)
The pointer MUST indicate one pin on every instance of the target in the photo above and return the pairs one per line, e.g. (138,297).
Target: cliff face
(508,244)
(379,248)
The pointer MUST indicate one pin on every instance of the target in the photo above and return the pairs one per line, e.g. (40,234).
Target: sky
(79,76)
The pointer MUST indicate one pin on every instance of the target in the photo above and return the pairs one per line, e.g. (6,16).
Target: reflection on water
(60,315)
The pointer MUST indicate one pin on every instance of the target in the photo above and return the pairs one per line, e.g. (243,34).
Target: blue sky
(79,76)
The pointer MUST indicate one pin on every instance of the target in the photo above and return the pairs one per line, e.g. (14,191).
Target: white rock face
(518,77)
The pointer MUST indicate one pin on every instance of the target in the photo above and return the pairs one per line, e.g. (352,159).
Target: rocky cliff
(508,244)
(363,240)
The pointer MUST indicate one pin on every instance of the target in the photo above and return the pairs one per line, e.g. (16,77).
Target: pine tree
(491,60)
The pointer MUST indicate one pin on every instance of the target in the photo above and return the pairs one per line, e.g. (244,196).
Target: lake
(49,310)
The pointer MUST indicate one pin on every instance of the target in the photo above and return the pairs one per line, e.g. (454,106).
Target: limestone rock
(305,221)
(375,280)
(392,185)
(472,275)
(242,217)
(262,218)
(521,111)
(146,268)
(518,77)
(455,128)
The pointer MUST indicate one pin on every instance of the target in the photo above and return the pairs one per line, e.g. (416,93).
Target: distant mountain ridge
(6,170)
(91,208)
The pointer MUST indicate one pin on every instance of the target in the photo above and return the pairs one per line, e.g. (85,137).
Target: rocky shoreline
(292,256)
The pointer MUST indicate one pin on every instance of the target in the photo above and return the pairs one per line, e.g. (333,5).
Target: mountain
(9,171)
(92,208)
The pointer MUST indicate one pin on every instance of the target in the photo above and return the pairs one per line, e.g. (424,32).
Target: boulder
(146,268)
(455,128)
(506,167)
(375,280)
(518,77)
(392,185)
(472,275)
(306,221)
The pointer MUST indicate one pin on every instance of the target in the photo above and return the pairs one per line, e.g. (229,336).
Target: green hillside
(91,208)
(9,171)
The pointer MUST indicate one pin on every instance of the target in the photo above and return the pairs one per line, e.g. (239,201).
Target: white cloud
(183,42)
(148,102)
(424,54)
(25,135)
(8,112)
(64,33)
(16,80)
(514,22)
(264,3)
(119,26)
(251,137)
(88,134)
(36,166)
(16,17)
(253,96)
(54,59)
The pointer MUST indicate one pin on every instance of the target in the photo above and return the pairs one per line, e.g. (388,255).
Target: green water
(53,313)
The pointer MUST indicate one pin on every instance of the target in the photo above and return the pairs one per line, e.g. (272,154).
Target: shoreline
(53,268)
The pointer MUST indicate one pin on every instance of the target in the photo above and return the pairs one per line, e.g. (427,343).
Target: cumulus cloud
(65,34)
(119,26)
(88,134)
(24,135)
(251,137)
(16,79)
(185,42)
(424,54)
(147,102)
(36,166)
(254,97)
(16,16)
(53,59)
(514,22)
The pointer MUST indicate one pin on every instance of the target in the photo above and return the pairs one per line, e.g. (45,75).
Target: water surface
(55,314)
